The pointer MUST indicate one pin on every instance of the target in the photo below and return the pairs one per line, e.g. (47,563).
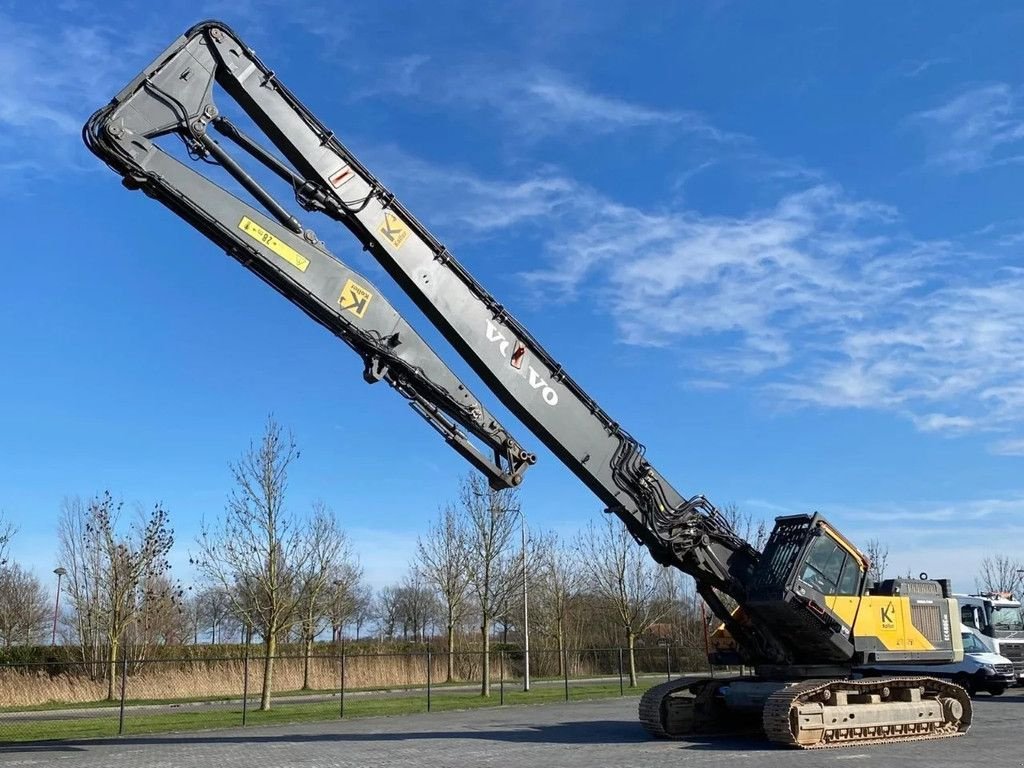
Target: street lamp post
(526,611)
(60,573)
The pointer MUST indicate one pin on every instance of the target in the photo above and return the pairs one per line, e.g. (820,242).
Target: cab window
(971,644)
(849,584)
(830,570)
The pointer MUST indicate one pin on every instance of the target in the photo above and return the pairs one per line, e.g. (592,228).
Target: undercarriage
(808,713)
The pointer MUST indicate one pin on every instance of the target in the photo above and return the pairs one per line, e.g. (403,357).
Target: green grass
(283,712)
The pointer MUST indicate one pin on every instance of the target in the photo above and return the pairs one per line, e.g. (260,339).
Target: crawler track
(781,719)
(783,725)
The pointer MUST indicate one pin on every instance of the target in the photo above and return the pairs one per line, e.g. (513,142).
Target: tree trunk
(270,646)
(632,657)
(485,685)
(307,652)
(112,670)
(451,652)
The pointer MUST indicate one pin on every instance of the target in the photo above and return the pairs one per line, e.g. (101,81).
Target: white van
(981,670)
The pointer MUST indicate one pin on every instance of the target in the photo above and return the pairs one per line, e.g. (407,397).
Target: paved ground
(580,735)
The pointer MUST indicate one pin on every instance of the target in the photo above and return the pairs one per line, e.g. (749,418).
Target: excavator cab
(808,583)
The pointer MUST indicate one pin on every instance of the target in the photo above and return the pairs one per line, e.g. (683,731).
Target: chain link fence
(68,700)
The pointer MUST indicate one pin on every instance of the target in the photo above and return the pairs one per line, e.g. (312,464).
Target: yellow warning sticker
(286,252)
(354,298)
(393,229)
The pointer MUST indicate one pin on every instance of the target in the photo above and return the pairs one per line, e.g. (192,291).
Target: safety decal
(354,298)
(394,229)
(340,176)
(264,238)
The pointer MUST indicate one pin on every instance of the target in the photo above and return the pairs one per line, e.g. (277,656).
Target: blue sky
(780,243)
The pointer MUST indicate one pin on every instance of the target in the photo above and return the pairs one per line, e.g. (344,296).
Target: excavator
(802,613)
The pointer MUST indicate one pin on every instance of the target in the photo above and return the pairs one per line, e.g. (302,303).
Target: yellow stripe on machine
(264,238)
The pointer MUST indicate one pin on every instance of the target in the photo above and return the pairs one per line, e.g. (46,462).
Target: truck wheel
(997,690)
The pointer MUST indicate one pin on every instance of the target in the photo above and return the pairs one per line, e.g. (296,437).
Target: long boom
(175,95)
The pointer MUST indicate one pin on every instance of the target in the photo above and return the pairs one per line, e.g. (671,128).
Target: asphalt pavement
(575,735)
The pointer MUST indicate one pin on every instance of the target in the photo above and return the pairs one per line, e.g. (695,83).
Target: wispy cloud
(917,68)
(538,101)
(980,127)
(53,78)
(822,299)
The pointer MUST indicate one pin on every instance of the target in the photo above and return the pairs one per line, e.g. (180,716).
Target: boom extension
(173,97)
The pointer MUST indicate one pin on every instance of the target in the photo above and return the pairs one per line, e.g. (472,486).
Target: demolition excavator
(803,613)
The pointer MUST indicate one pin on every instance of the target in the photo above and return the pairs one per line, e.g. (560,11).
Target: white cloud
(1012,447)
(537,101)
(980,127)
(821,299)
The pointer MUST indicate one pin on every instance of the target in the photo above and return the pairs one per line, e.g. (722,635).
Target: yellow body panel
(888,619)
(844,607)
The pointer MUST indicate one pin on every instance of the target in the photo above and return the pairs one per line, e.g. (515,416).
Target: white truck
(1000,620)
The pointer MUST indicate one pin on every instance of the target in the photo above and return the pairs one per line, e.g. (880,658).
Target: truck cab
(999,618)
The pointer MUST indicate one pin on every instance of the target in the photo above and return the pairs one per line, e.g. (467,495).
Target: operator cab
(805,569)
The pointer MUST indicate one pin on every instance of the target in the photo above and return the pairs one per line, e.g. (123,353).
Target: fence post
(668,661)
(501,678)
(245,677)
(565,669)
(341,712)
(124,679)
(428,679)
(622,689)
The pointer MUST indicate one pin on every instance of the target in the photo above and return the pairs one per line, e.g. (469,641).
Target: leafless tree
(623,573)
(347,593)
(259,551)
(439,557)
(754,530)
(329,564)
(877,554)
(213,611)
(362,607)
(108,570)
(387,609)
(162,618)
(557,580)
(494,567)
(418,607)
(23,606)
(7,531)
(1000,573)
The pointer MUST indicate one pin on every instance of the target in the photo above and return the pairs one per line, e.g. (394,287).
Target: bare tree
(7,531)
(623,573)
(213,611)
(558,578)
(418,607)
(754,530)
(362,607)
(494,568)
(259,551)
(1000,573)
(347,591)
(387,608)
(439,558)
(330,563)
(162,617)
(877,554)
(23,606)
(108,569)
